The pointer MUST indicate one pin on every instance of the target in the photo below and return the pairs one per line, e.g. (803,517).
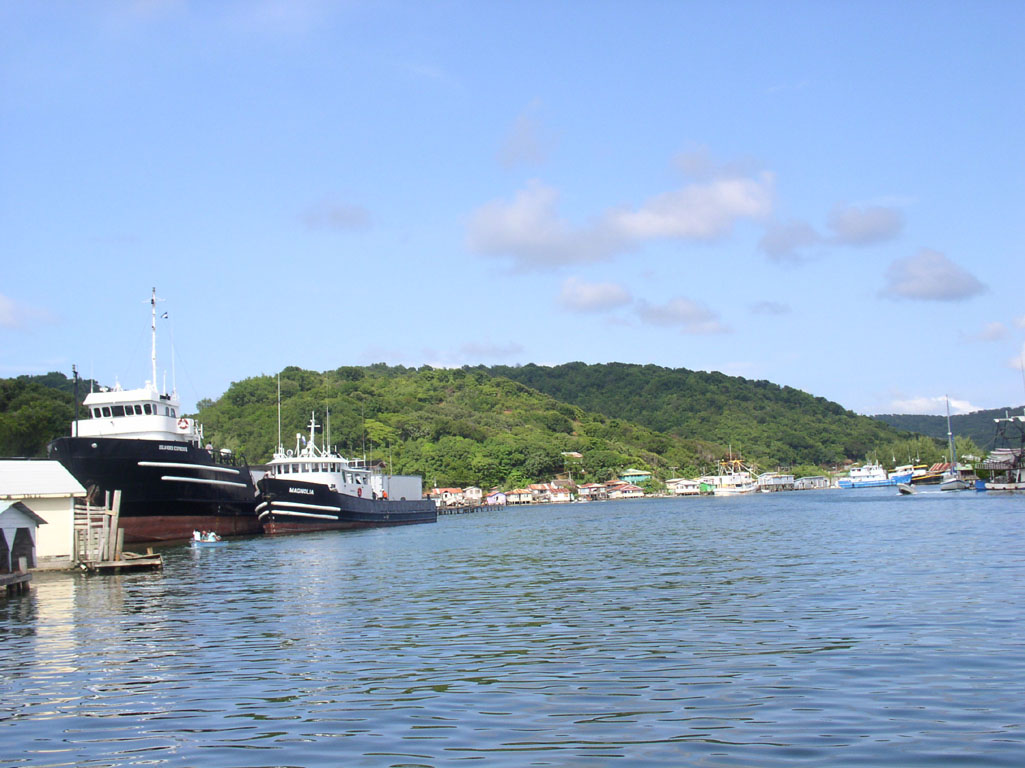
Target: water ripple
(848,628)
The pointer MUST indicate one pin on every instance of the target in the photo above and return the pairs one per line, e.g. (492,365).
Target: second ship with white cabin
(314,488)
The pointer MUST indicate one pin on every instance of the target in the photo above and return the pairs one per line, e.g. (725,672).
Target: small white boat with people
(206,539)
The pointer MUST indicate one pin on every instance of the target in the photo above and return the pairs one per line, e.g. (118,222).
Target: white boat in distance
(734,479)
(951,480)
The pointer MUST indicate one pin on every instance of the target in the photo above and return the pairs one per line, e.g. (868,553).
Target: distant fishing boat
(1006,462)
(734,479)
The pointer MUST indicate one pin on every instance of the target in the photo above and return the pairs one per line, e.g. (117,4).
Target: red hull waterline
(275,528)
(153,529)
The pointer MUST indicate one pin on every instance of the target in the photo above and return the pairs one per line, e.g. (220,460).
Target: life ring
(183,423)
(359,492)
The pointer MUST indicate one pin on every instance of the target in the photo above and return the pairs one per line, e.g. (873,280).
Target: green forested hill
(507,426)
(453,427)
(766,422)
(34,410)
(978,425)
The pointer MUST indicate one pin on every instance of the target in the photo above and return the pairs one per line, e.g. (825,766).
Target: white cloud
(991,332)
(783,241)
(697,211)
(930,276)
(525,144)
(865,225)
(770,308)
(530,231)
(339,216)
(686,314)
(1019,361)
(931,405)
(475,351)
(8,313)
(581,296)
(16,315)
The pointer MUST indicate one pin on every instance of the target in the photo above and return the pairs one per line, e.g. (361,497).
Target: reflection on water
(845,628)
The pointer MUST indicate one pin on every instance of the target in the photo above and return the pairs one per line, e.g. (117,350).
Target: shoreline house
(592,492)
(635,476)
(625,491)
(49,491)
(520,496)
(446,497)
(496,499)
(681,486)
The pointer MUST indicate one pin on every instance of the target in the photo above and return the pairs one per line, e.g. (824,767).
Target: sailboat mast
(280,446)
(950,437)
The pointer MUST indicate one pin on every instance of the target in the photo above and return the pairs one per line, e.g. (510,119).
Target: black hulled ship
(137,442)
(314,489)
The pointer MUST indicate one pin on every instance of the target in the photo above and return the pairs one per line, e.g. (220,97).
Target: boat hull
(846,483)
(168,488)
(294,506)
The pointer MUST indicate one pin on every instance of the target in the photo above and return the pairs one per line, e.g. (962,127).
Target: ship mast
(153,329)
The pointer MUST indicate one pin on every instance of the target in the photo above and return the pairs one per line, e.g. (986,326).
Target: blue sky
(824,195)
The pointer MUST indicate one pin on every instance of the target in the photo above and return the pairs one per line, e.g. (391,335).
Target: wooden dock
(99,542)
(15,583)
(469,509)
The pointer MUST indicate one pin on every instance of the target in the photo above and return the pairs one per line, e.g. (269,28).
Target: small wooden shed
(18,526)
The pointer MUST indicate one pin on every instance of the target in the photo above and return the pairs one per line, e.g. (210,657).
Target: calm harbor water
(816,628)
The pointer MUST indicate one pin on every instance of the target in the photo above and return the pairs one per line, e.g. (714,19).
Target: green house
(635,476)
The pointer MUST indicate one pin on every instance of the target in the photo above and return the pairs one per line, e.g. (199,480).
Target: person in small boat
(197,536)
(211,536)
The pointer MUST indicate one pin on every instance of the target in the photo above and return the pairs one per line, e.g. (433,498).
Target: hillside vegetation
(977,425)
(453,427)
(509,426)
(34,410)
(768,423)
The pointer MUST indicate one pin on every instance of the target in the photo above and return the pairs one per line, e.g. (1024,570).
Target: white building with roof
(49,490)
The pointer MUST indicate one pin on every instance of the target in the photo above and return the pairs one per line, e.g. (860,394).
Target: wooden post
(115,547)
(120,548)
(101,548)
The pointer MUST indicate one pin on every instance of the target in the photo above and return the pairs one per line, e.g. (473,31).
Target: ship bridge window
(147,409)
(106,411)
(138,410)
(96,413)
(295,467)
(119,410)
